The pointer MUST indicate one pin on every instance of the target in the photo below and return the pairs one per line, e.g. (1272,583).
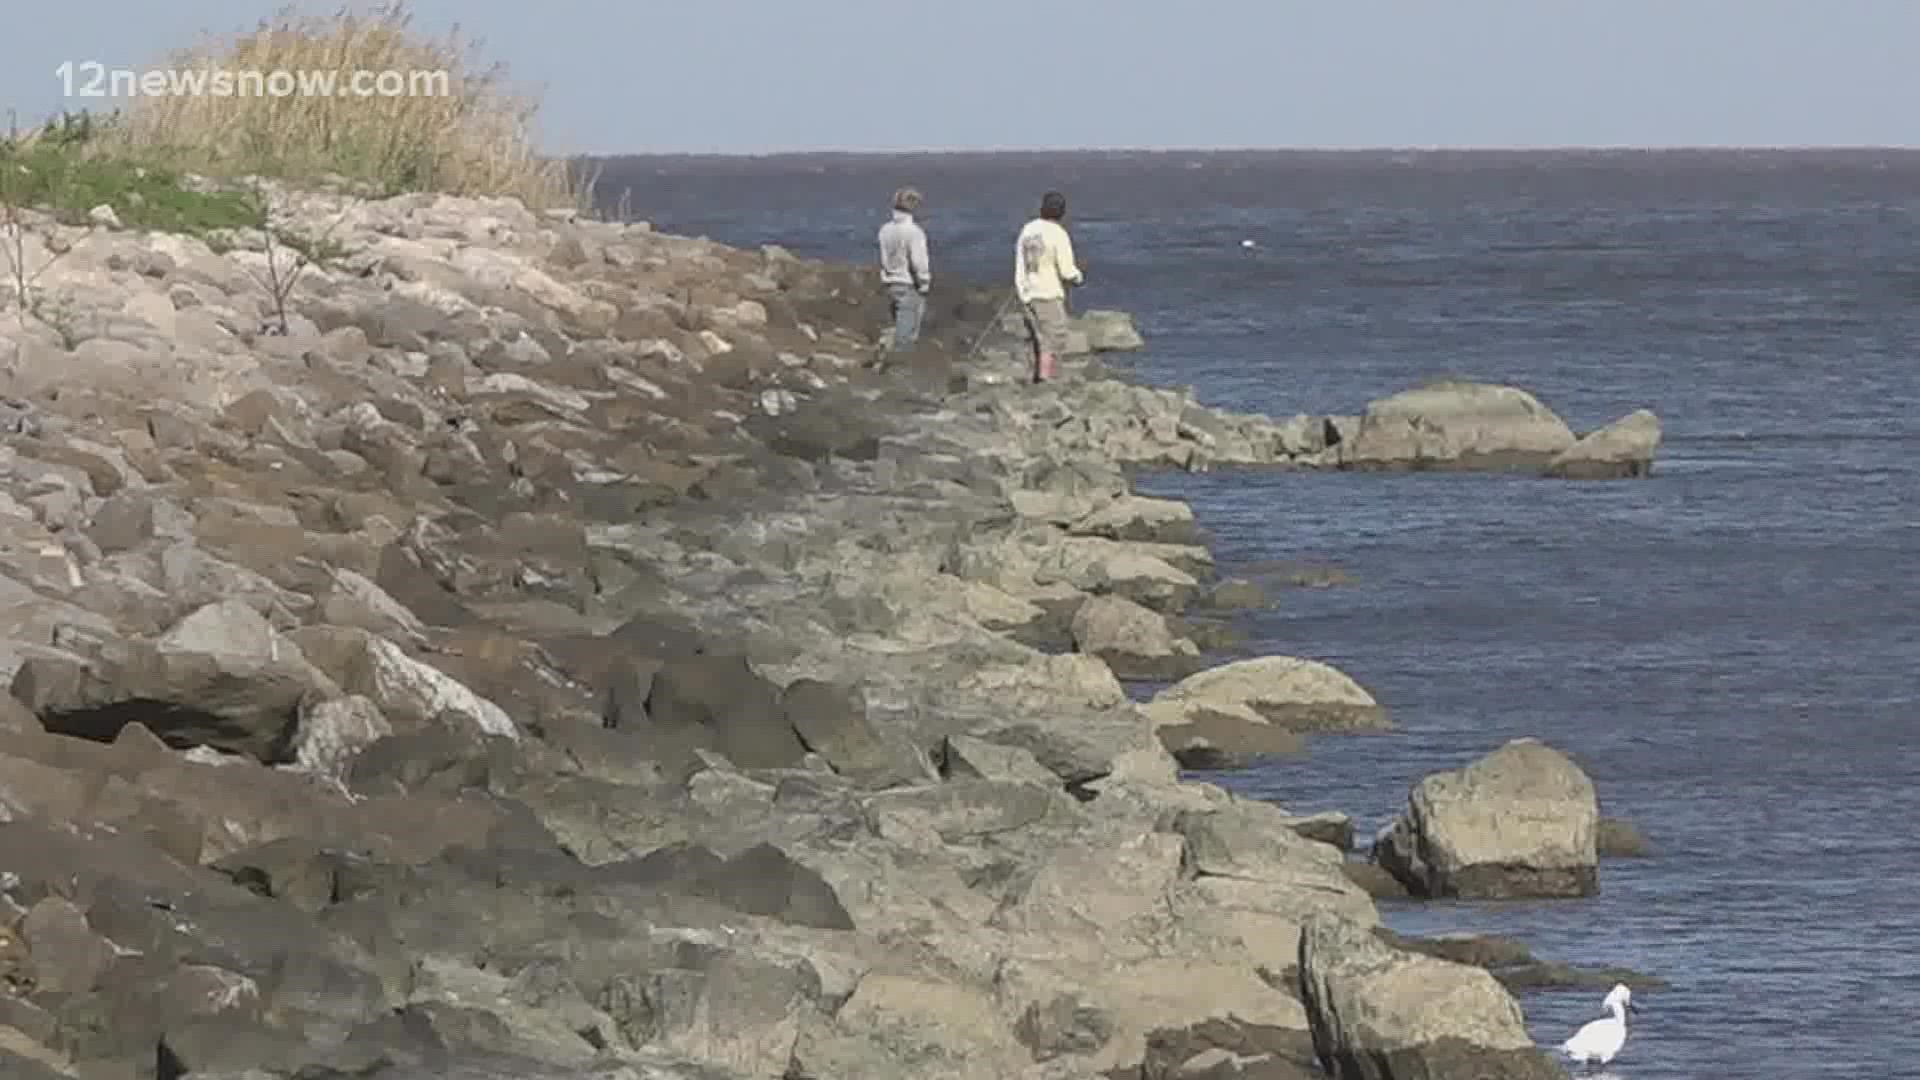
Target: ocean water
(1730,648)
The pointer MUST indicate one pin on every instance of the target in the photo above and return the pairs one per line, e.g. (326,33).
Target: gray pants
(909,308)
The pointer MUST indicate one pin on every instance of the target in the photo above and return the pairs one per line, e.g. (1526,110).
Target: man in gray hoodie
(904,268)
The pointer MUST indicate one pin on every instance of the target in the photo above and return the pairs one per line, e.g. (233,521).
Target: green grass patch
(62,170)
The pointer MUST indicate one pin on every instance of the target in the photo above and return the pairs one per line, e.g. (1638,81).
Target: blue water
(1729,648)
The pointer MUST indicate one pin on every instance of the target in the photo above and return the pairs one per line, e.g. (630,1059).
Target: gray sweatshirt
(903,253)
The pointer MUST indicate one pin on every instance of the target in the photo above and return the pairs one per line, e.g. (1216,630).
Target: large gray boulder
(220,677)
(1519,822)
(1456,425)
(1381,1013)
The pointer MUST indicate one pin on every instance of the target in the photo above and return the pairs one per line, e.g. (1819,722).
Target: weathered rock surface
(1329,827)
(1381,1013)
(1520,822)
(1228,715)
(1376,882)
(1131,517)
(1109,331)
(1624,448)
(1135,641)
(1456,425)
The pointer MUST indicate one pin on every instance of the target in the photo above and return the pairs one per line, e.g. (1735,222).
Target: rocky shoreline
(539,647)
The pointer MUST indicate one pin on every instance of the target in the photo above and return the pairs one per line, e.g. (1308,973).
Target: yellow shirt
(1043,262)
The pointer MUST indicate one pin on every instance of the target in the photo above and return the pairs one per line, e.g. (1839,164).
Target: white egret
(1599,1040)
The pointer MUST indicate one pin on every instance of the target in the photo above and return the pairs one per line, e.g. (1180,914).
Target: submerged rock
(1544,976)
(1616,838)
(1237,593)
(1515,965)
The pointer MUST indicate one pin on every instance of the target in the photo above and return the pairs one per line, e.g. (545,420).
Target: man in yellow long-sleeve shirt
(1043,267)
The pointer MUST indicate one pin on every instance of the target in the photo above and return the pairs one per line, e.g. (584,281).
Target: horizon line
(1571,148)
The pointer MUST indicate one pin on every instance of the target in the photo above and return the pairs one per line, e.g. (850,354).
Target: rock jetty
(527,647)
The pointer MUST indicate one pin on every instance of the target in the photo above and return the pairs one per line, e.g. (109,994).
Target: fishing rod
(991,323)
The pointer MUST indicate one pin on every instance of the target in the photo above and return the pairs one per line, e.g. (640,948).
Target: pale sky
(756,76)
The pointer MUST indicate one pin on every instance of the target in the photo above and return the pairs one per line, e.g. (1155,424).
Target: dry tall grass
(475,138)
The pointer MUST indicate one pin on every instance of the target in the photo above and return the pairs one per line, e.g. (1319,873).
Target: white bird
(1599,1040)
